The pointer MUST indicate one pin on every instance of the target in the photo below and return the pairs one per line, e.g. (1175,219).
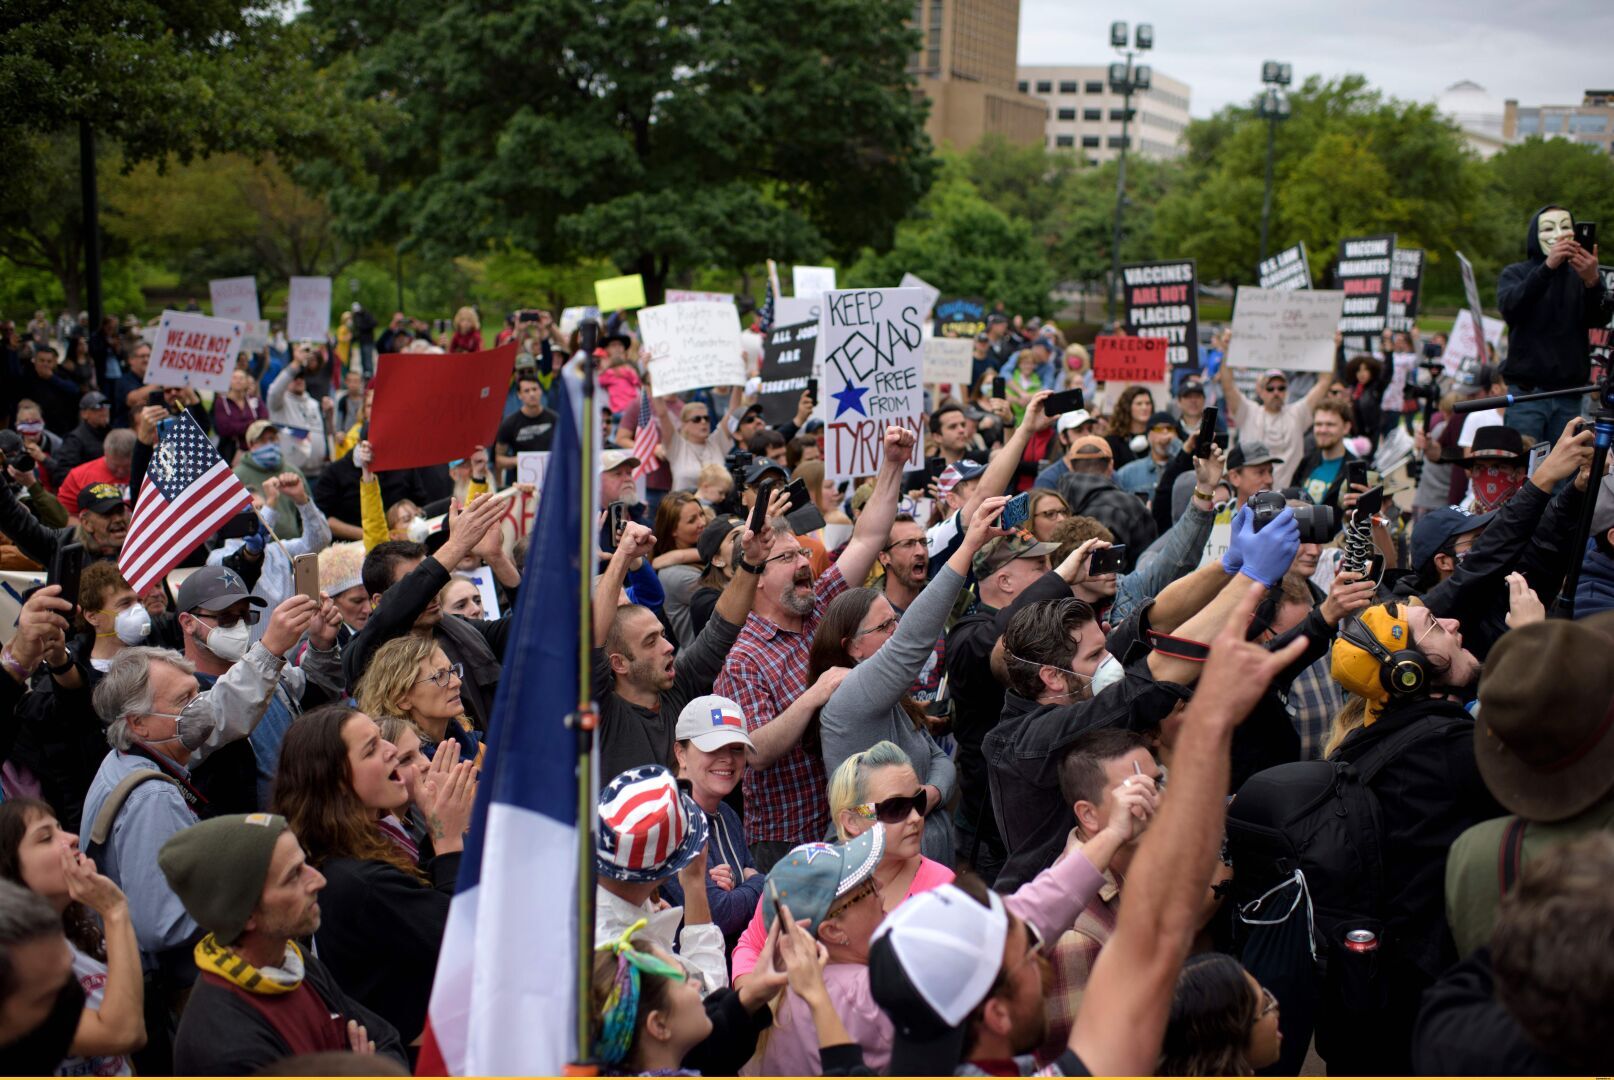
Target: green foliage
(1538,171)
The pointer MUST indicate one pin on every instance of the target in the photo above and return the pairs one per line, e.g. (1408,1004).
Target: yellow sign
(620,293)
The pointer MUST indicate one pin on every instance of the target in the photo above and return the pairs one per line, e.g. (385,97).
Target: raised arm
(999,472)
(634,543)
(874,524)
(1235,399)
(1319,393)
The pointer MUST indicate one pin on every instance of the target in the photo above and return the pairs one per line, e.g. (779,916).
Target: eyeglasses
(789,556)
(913,541)
(1434,624)
(442,675)
(1269,1004)
(701,419)
(226,622)
(880,628)
(1058,513)
(893,811)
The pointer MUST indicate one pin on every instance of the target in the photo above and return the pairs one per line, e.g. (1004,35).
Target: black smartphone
(759,510)
(1586,234)
(797,491)
(812,390)
(1000,387)
(1355,473)
(65,568)
(1206,439)
(1063,402)
(527,317)
(935,466)
(1107,560)
(155,397)
(616,516)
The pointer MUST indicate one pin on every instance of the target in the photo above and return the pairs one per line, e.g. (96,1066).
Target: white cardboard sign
(692,345)
(932,294)
(235,298)
(308,309)
(691,296)
(194,350)
(869,344)
(807,282)
(948,360)
(1287,329)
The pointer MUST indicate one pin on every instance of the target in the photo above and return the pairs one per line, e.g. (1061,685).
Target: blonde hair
(393,727)
(1349,718)
(467,314)
(849,787)
(391,674)
(713,473)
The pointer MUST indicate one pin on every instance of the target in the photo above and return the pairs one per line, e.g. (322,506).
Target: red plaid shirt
(765,673)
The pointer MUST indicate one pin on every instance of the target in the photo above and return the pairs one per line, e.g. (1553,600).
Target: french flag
(505,999)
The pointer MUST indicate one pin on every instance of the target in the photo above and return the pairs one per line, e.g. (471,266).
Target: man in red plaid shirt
(766,673)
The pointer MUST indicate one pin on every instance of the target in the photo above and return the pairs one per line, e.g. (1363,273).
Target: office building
(966,67)
(1591,122)
(1477,114)
(1084,114)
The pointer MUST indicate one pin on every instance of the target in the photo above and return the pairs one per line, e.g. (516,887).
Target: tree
(1536,172)
(665,135)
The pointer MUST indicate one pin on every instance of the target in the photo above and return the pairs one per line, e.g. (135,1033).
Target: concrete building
(1480,116)
(966,67)
(1085,115)
(1591,122)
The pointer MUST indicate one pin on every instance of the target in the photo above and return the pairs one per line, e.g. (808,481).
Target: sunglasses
(895,810)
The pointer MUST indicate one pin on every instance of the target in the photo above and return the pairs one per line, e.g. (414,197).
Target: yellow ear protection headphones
(1401,673)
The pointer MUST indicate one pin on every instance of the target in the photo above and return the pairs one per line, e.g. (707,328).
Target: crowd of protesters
(1229,752)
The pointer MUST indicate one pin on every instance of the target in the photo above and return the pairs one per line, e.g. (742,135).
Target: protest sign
(1406,282)
(690,296)
(919,509)
(620,293)
(308,309)
(1288,269)
(1477,310)
(869,342)
(1602,337)
(530,468)
(949,361)
(255,335)
(433,407)
(788,310)
(931,294)
(1460,343)
(1129,359)
(960,316)
(787,363)
(235,298)
(1287,329)
(1363,271)
(692,345)
(194,350)
(482,578)
(571,317)
(1162,300)
(810,282)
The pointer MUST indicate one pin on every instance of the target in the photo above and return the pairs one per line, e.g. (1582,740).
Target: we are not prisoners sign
(1162,300)
(194,350)
(872,354)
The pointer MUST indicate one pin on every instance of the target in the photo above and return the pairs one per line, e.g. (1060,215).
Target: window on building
(1091,142)
(1064,140)
(1529,123)
(1095,87)
(1118,141)
(1024,86)
(1045,87)
(1588,124)
(1120,114)
(1067,87)
(1067,114)
(1092,114)
(1552,123)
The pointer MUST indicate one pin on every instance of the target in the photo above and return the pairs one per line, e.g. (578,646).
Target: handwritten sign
(1363,272)
(531,465)
(571,317)
(787,363)
(1406,282)
(256,335)
(194,350)
(692,345)
(1162,300)
(788,310)
(869,341)
(931,294)
(234,298)
(948,361)
(1129,359)
(620,293)
(308,309)
(691,296)
(808,282)
(1288,269)
(1292,330)
(960,316)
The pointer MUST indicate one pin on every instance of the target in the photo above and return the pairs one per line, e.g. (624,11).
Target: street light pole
(1266,200)
(1120,194)
(1274,107)
(1124,79)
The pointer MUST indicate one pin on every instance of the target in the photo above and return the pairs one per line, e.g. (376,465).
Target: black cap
(762,467)
(713,535)
(93,400)
(1251,453)
(1164,419)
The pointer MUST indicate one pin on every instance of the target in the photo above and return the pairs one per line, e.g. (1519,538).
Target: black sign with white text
(1162,300)
(1363,271)
(787,364)
(1406,281)
(1288,269)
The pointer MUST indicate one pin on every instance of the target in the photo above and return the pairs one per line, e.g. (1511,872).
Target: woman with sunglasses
(694,438)
(860,630)
(410,677)
(1223,1022)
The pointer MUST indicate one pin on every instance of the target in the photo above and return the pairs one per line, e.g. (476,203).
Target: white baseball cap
(1074,419)
(711,722)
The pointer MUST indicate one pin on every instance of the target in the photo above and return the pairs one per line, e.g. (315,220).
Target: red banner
(430,408)
(1129,359)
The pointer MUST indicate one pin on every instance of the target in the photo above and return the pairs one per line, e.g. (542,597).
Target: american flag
(189,492)
(765,313)
(646,437)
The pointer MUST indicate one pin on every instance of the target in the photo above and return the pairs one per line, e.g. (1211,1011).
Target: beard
(800,598)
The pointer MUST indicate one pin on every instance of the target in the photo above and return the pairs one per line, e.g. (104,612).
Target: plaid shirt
(765,673)
(1075,953)
(1314,700)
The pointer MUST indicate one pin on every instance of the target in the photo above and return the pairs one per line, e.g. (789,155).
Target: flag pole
(584,721)
(773,278)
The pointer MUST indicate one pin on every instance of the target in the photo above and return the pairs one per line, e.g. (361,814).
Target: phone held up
(1586,234)
(1016,512)
(305,576)
(65,568)
(1107,560)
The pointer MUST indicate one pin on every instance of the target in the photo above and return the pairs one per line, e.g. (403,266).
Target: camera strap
(1177,647)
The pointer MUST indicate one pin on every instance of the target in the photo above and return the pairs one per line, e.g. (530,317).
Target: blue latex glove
(1233,557)
(1268,553)
(256,542)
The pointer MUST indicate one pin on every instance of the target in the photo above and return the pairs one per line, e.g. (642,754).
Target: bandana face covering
(1493,486)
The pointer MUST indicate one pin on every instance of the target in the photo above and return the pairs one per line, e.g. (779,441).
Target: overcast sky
(1542,53)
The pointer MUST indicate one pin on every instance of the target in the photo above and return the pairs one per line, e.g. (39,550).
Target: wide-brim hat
(1545,743)
(1496,442)
(646,830)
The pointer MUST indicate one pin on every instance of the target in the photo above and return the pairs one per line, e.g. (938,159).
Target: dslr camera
(1317,523)
(738,463)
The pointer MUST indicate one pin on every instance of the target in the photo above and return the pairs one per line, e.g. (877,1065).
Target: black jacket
(1312,460)
(1123,514)
(380,933)
(220,1034)
(336,492)
(1427,796)
(734,1035)
(62,741)
(81,444)
(35,540)
(1548,313)
(1463,1030)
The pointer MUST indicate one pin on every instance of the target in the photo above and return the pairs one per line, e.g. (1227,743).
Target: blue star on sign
(848,399)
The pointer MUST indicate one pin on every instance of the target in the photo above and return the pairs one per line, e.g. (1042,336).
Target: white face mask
(229,643)
(1550,226)
(132,624)
(418,530)
(1109,673)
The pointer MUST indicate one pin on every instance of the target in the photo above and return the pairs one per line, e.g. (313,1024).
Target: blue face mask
(266,457)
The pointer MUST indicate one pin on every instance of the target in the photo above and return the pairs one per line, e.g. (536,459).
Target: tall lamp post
(1125,78)
(1273,108)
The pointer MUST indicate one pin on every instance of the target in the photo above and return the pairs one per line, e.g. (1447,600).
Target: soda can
(1361,940)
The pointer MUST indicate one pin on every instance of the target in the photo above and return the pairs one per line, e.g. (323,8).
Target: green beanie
(217,869)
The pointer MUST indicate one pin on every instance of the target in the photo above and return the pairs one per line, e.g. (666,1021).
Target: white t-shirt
(1476,420)
(1283,432)
(91,975)
(686,458)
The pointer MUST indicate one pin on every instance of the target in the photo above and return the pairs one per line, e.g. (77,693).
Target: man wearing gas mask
(1549,301)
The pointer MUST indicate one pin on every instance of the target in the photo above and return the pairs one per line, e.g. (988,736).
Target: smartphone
(812,390)
(305,576)
(1206,439)
(155,397)
(1000,387)
(1016,511)
(935,466)
(1063,402)
(1355,473)
(616,518)
(527,317)
(1586,234)
(759,509)
(1107,560)
(797,492)
(65,568)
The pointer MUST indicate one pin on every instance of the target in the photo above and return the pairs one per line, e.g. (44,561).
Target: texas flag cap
(710,722)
